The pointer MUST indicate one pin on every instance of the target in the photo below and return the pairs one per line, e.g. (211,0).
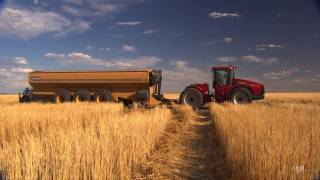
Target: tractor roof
(230,67)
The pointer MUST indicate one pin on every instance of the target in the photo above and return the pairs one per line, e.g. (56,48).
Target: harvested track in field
(187,151)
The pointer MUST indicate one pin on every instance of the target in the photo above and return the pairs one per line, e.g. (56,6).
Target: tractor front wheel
(192,97)
(241,96)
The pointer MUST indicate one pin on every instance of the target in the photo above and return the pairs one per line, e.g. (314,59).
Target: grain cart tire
(241,95)
(82,95)
(103,95)
(25,99)
(192,97)
(61,96)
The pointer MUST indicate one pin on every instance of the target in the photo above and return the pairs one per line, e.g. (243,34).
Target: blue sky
(274,42)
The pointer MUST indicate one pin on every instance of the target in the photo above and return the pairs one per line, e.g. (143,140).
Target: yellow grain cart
(142,86)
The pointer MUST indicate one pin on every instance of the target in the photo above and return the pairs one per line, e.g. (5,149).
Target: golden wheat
(75,141)
(8,99)
(278,138)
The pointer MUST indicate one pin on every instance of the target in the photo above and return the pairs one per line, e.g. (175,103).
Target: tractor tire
(82,95)
(241,95)
(192,97)
(103,95)
(25,99)
(62,96)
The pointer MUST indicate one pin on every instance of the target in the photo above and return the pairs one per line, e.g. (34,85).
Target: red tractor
(226,88)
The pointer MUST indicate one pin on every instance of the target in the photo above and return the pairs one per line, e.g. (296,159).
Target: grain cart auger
(226,88)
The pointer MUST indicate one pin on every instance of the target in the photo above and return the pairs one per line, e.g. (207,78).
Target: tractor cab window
(221,77)
(232,75)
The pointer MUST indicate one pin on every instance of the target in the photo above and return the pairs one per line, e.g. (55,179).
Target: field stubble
(278,138)
(75,141)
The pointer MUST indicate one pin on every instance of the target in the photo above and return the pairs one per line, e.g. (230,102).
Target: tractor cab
(222,78)
(223,75)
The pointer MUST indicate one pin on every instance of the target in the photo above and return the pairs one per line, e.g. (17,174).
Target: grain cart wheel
(241,96)
(192,97)
(25,99)
(103,95)
(62,96)
(82,95)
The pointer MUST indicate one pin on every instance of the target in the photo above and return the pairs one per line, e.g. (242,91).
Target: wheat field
(75,141)
(278,138)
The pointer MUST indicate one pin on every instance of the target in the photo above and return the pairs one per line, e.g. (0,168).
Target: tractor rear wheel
(241,96)
(61,96)
(82,95)
(103,95)
(192,97)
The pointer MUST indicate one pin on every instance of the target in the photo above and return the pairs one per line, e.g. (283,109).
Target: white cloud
(73,11)
(281,74)
(30,23)
(21,70)
(21,60)
(258,60)
(261,49)
(118,63)
(105,49)
(78,56)
(252,58)
(271,61)
(133,23)
(180,74)
(306,80)
(14,77)
(129,48)
(309,79)
(106,8)
(5,73)
(90,10)
(270,46)
(77,27)
(217,15)
(151,31)
(141,62)
(265,47)
(278,75)
(228,40)
(24,23)
(89,48)
(96,8)
(227,59)
(57,56)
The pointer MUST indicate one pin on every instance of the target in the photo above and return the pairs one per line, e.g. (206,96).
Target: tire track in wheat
(188,151)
